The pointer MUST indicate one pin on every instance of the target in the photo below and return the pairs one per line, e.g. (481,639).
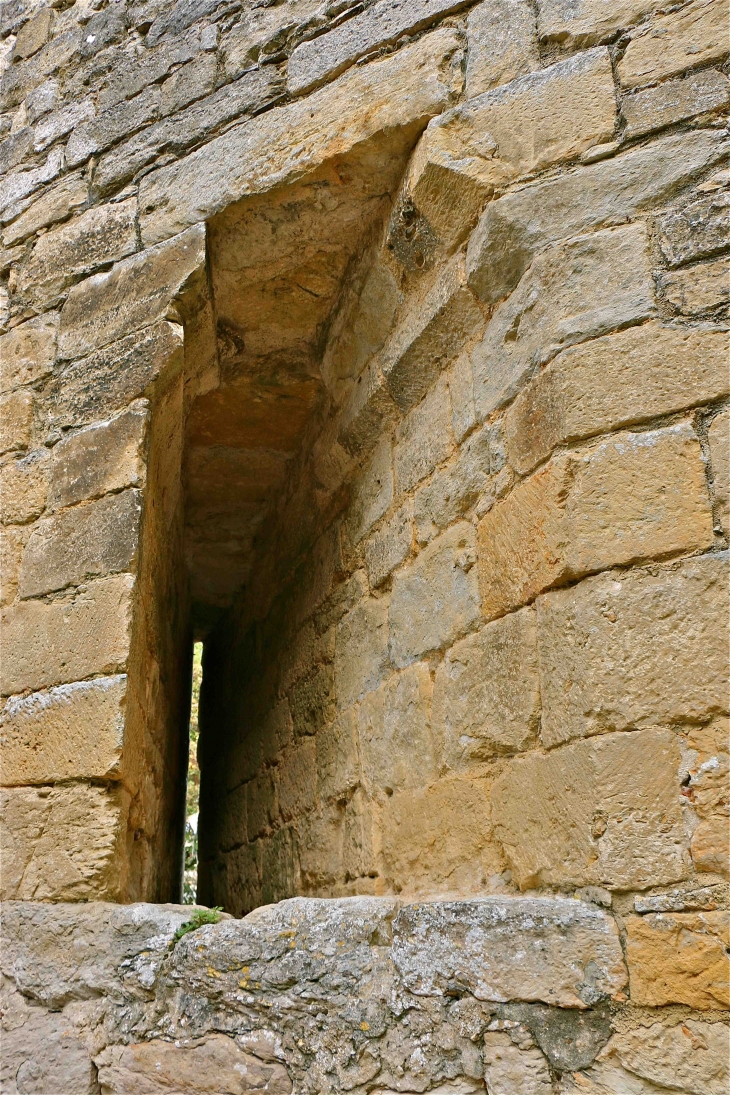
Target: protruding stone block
(719,438)
(390,544)
(679,958)
(583,22)
(696,230)
(28,351)
(673,101)
(16,420)
(102,458)
(669,44)
(423,439)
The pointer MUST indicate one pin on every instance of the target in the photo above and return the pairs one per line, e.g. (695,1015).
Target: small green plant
(199,917)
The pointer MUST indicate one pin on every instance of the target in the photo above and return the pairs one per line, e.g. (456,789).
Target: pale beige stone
(28,351)
(73,731)
(671,43)
(423,439)
(135,293)
(372,491)
(16,420)
(719,438)
(12,541)
(691,1053)
(361,652)
(642,648)
(297,779)
(502,39)
(52,206)
(461,392)
(338,764)
(390,545)
(34,34)
(487,694)
(583,22)
(397,750)
(673,101)
(573,291)
(62,843)
(213,1064)
(320,846)
(362,837)
(508,1069)
(283,143)
(633,375)
(458,487)
(697,289)
(107,456)
(603,812)
(42,1048)
(632,497)
(102,234)
(435,599)
(24,487)
(679,958)
(710,845)
(82,542)
(45,644)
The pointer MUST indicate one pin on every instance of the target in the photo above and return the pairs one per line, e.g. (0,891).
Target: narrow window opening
(192,795)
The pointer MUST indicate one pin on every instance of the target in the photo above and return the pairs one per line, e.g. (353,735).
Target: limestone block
(560,938)
(107,456)
(371,492)
(672,43)
(320,845)
(62,641)
(439,838)
(28,351)
(461,392)
(338,765)
(367,412)
(632,497)
(24,487)
(679,958)
(639,649)
(34,34)
(361,651)
(673,101)
(390,545)
(53,205)
(697,289)
(572,292)
(258,808)
(691,1053)
(14,188)
(709,845)
(487,693)
(423,439)
(639,373)
(312,701)
(361,324)
(82,542)
(502,44)
(12,542)
(456,488)
(515,226)
(508,1069)
(110,378)
(74,731)
(159,1067)
(191,81)
(61,122)
(699,229)
(16,419)
(110,126)
(321,59)
(42,1052)
(435,599)
(583,22)
(396,92)
(362,837)
(103,234)
(62,843)
(394,731)
(430,335)
(135,293)
(602,812)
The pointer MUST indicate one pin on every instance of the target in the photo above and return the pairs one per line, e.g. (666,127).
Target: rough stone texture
(697,230)
(587,21)
(604,812)
(508,1068)
(100,459)
(673,101)
(697,289)
(679,958)
(693,1053)
(719,438)
(16,420)
(502,44)
(395,742)
(28,351)
(674,42)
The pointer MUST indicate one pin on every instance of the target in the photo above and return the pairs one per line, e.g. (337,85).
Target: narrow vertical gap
(192,796)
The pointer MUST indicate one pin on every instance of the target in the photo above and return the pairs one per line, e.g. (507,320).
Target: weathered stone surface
(569,1038)
(326,56)
(14,188)
(82,542)
(16,419)
(456,488)
(692,1053)
(699,229)
(502,44)
(423,439)
(100,235)
(111,125)
(602,812)
(390,545)
(679,958)
(338,765)
(45,644)
(487,694)
(12,542)
(73,731)
(24,487)
(675,100)
(52,206)
(191,81)
(627,650)
(396,745)
(34,34)
(214,1064)
(436,598)
(507,1068)
(399,91)
(372,491)
(719,438)
(633,497)
(697,289)
(515,226)
(573,291)
(101,458)
(27,352)
(134,294)
(42,1052)
(639,373)
(470,944)
(583,22)
(361,652)
(461,391)
(672,43)
(61,843)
